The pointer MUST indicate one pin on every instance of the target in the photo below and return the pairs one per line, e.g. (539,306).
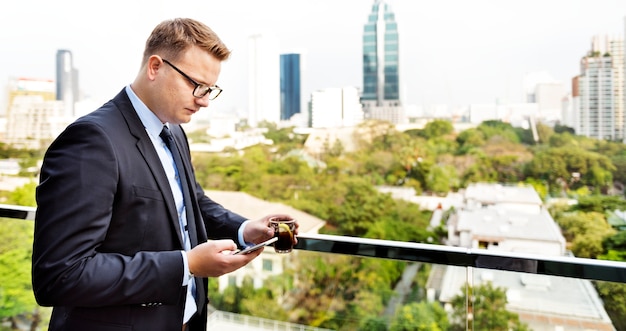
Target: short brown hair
(172,37)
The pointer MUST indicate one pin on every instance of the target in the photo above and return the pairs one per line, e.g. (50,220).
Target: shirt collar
(149,120)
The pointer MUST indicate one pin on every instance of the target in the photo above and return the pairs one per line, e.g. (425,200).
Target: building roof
(494,193)
(501,223)
(254,208)
(538,299)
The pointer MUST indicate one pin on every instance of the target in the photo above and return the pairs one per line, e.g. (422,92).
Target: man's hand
(260,231)
(214,258)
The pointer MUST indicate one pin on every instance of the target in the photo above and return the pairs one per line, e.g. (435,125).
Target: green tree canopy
(488,308)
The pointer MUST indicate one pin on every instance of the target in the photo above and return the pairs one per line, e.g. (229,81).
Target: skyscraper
(599,90)
(381,78)
(290,85)
(67,81)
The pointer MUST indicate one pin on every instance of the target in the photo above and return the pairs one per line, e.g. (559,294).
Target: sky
(454,52)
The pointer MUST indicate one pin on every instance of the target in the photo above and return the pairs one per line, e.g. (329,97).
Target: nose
(203,102)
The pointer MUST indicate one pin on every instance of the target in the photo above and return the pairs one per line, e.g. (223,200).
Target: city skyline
(451,52)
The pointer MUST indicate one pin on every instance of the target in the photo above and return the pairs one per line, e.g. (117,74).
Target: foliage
(570,167)
(614,297)
(420,316)
(498,128)
(470,139)
(433,129)
(585,232)
(615,247)
(339,291)
(488,308)
(373,324)
(600,203)
(16,296)
(24,195)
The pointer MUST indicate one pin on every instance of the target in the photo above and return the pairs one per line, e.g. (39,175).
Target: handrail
(19,212)
(565,266)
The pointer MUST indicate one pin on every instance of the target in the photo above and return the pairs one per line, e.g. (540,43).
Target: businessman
(121,227)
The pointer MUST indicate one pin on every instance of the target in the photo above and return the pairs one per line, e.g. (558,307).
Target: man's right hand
(214,258)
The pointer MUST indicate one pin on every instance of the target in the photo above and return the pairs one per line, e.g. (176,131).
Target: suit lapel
(146,149)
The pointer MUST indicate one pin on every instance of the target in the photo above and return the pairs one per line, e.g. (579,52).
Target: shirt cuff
(186,274)
(242,242)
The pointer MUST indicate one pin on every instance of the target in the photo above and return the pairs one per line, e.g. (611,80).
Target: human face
(181,82)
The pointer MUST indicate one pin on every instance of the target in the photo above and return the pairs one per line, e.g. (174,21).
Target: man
(121,227)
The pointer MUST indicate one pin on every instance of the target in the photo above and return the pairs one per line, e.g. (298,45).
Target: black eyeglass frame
(200,90)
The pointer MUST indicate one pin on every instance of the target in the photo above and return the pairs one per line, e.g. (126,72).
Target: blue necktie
(167,137)
(190,229)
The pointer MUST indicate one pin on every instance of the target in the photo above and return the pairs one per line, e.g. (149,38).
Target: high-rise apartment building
(34,118)
(263,79)
(290,85)
(67,81)
(381,74)
(30,86)
(598,91)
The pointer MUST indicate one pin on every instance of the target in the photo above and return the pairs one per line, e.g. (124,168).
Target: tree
(16,295)
(570,167)
(614,297)
(373,324)
(434,129)
(494,128)
(599,203)
(420,316)
(585,231)
(443,179)
(469,139)
(487,308)
(615,247)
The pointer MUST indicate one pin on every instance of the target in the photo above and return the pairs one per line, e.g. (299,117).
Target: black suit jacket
(107,241)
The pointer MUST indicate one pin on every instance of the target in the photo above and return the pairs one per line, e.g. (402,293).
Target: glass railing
(541,292)
(476,289)
(466,257)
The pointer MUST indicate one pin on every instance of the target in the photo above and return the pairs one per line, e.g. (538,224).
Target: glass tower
(67,80)
(380,58)
(289,85)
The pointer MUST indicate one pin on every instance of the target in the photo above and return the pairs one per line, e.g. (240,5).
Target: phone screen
(255,247)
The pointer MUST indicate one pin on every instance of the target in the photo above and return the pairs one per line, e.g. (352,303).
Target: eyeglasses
(200,90)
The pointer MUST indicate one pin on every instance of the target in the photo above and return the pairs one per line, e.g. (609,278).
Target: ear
(153,65)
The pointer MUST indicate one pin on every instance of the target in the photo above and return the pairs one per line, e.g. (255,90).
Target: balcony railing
(466,257)
(448,257)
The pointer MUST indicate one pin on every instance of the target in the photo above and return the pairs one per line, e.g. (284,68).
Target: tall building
(381,73)
(67,81)
(290,85)
(30,86)
(31,113)
(335,108)
(598,91)
(264,79)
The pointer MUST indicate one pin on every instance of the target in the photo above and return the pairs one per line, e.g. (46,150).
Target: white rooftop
(493,193)
(502,223)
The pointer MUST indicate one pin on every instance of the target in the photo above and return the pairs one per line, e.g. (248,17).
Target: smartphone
(257,246)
